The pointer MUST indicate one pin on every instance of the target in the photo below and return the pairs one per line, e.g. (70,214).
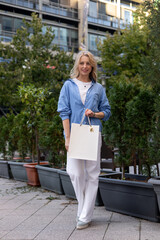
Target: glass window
(7,24)
(93,9)
(92,42)
(63,36)
(101,38)
(74,37)
(18,23)
(55,35)
(127,16)
(101,8)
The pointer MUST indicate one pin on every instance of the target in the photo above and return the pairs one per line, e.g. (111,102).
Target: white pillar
(40,9)
(83,6)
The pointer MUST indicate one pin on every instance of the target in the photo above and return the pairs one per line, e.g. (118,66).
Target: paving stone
(30,213)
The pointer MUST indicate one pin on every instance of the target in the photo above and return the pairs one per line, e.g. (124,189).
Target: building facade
(77,24)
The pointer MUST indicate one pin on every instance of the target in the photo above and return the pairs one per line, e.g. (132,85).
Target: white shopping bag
(84,140)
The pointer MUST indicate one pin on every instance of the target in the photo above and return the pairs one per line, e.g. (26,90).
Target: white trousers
(84,176)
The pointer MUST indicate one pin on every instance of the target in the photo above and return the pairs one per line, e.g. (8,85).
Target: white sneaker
(82,225)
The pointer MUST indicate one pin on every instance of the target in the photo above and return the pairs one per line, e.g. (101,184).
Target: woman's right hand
(67,139)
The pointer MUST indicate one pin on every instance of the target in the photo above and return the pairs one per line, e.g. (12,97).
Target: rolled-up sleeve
(104,105)
(63,103)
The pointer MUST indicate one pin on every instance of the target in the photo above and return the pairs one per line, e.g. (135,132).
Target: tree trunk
(37,147)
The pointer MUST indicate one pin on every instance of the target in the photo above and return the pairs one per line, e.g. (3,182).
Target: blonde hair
(75,72)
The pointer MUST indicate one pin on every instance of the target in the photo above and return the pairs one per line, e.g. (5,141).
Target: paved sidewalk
(33,213)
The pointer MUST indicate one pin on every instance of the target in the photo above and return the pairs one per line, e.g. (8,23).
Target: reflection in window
(93,40)
(18,23)
(63,36)
(74,37)
(55,29)
(93,9)
(127,16)
(66,38)
(101,8)
(7,24)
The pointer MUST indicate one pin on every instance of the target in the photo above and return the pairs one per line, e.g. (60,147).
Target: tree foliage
(31,77)
(133,103)
(32,58)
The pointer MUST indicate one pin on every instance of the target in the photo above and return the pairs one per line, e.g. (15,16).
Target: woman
(82,94)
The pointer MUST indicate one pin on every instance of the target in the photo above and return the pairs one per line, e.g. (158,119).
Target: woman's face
(84,66)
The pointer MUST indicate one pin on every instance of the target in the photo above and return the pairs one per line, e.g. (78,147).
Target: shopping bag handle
(83,120)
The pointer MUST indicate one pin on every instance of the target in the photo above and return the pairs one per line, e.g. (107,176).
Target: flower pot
(32,174)
(133,198)
(50,179)
(18,170)
(5,170)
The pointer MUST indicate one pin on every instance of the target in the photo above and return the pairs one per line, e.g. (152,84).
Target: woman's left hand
(89,113)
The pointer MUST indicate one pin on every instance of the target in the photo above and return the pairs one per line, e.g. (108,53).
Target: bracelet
(94,114)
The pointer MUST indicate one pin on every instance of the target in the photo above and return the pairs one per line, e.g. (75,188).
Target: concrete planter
(50,179)
(69,190)
(5,170)
(132,198)
(66,184)
(18,171)
(156,185)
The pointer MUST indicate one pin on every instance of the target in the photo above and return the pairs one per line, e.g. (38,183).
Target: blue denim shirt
(71,107)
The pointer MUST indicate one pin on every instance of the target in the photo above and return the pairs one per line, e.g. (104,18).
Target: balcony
(6,36)
(107,21)
(23,3)
(56,9)
(47,6)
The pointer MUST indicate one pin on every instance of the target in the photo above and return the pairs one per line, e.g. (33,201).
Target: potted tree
(38,64)
(5,145)
(33,101)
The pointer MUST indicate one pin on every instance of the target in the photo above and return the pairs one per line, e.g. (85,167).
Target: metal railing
(107,21)
(6,36)
(33,4)
(66,11)
(47,6)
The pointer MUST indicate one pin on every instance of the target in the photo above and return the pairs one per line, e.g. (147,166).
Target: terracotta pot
(32,173)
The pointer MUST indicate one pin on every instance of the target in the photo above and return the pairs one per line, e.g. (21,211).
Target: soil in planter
(127,178)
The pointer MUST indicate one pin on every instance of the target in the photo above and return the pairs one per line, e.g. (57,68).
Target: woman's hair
(75,72)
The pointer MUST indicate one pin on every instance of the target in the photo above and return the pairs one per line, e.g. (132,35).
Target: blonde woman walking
(82,94)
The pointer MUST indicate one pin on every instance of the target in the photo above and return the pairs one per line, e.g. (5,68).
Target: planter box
(69,190)
(32,174)
(50,179)
(156,185)
(133,198)
(67,184)
(18,171)
(5,170)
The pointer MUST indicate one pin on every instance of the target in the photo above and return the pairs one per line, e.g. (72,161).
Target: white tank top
(83,88)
